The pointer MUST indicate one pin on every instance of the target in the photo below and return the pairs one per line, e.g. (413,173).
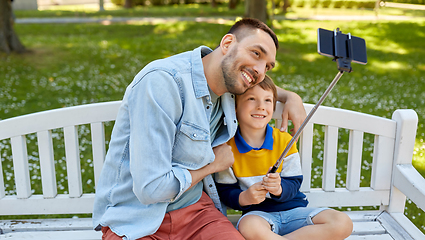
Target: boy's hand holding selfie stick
(344,49)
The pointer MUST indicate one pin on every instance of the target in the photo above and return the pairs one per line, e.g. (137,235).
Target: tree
(128,3)
(9,41)
(256,9)
(101,8)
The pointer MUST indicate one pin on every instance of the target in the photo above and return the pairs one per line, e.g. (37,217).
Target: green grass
(72,64)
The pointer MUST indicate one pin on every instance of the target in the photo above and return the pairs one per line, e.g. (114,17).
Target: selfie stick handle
(310,115)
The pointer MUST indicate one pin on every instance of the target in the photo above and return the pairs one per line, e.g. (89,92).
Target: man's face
(247,61)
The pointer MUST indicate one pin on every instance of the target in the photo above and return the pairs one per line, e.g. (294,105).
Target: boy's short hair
(268,84)
(251,24)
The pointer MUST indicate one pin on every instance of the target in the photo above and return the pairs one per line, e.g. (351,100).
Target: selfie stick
(344,65)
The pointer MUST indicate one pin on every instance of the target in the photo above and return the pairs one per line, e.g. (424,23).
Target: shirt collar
(199,81)
(243,147)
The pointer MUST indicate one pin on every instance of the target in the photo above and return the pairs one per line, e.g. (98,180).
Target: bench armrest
(410,182)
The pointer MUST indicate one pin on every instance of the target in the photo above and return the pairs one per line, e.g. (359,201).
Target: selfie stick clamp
(343,60)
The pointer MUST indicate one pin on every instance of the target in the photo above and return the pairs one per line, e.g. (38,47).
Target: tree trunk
(256,9)
(9,41)
(101,7)
(286,5)
(233,4)
(128,4)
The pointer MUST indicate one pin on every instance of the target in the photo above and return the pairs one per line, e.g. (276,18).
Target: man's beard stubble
(230,74)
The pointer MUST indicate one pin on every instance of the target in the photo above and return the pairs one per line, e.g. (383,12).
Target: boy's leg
(254,227)
(327,224)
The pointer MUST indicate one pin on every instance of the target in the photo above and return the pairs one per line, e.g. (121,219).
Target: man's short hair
(253,24)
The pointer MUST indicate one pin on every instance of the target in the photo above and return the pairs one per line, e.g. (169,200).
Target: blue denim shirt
(161,132)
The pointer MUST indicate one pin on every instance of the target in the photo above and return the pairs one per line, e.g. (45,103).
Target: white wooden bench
(392,174)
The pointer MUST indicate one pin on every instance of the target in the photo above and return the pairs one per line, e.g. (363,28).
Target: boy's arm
(229,195)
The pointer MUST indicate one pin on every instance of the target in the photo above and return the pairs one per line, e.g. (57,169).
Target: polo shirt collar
(243,147)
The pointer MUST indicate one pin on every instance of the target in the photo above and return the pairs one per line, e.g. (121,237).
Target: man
(170,134)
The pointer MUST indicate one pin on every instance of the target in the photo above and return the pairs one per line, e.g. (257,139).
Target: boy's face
(254,108)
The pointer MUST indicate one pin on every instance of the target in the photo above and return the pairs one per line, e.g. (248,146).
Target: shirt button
(194,135)
(234,121)
(210,185)
(208,107)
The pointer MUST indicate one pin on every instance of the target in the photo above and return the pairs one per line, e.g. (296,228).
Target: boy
(272,204)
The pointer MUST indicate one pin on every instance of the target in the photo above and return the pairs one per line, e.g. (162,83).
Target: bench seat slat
(58,224)
(367,228)
(55,235)
(371,237)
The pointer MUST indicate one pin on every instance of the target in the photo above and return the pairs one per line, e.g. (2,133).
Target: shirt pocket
(192,148)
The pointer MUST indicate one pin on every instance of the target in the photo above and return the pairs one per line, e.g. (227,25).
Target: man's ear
(226,41)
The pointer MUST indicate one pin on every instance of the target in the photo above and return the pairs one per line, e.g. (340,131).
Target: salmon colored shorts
(198,221)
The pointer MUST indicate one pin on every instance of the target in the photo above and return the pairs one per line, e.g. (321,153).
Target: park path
(108,20)
(46,4)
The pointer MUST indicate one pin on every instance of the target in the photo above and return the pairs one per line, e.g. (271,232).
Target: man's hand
(253,195)
(271,183)
(223,157)
(223,160)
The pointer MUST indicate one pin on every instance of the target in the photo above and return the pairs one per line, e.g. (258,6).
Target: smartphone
(338,45)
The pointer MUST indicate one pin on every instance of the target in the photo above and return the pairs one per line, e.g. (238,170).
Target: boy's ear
(226,42)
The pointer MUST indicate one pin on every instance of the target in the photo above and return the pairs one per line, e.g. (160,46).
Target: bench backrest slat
(73,164)
(329,158)
(98,146)
(306,152)
(47,163)
(2,188)
(354,162)
(20,166)
(382,163)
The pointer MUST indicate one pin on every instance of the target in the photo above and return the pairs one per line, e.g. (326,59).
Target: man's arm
(293,109)
(153,118)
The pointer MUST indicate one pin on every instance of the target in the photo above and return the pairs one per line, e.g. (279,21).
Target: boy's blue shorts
(288,221)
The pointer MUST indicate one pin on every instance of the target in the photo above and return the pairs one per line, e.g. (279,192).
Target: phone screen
(330,45)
